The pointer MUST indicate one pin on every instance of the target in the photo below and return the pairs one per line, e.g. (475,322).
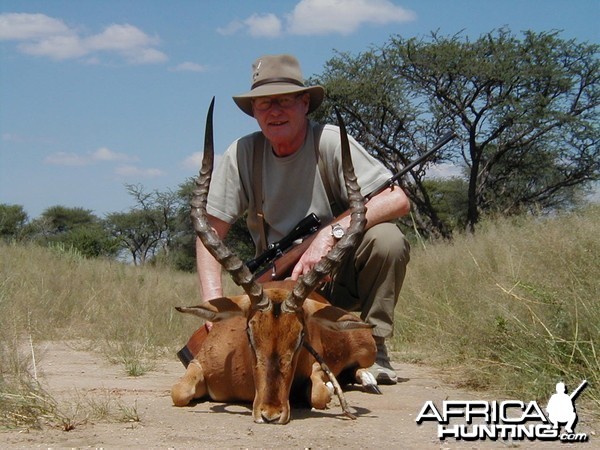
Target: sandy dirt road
(386,421)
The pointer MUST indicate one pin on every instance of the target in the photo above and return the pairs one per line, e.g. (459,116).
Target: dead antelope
(259,349)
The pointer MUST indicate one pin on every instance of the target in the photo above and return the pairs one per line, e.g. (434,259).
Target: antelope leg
(336,386)
(190,386)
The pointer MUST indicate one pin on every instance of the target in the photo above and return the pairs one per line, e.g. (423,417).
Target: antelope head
(276,320)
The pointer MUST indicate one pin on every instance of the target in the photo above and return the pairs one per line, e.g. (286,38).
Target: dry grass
(46,294)
(53,294)
(514,309)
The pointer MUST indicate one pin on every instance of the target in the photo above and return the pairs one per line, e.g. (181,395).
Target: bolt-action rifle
(307,226)
(278,261)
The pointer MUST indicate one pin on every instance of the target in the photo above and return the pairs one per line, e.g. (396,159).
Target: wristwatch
(337,231)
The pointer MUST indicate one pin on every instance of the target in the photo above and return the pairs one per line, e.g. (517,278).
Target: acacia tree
(62,219)
(75,228)
(148,227)
(13,219)
(381,112)
(134,233)
(525,110)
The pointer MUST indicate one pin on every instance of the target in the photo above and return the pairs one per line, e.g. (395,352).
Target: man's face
(282,119)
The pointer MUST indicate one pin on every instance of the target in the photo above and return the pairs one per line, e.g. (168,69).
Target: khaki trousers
(370,279)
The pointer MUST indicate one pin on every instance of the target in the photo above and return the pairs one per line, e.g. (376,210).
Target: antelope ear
(337,319)
(216,309)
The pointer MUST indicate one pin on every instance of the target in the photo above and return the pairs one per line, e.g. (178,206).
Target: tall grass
(57,294)
(122,312)
(513,309)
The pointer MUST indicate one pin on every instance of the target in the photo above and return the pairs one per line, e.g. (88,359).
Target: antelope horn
(307,283)
(231,263)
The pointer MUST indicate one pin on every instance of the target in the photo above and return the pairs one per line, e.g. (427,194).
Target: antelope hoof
(368,381)
(330,388)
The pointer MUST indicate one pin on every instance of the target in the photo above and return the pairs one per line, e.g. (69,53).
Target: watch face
(338,232)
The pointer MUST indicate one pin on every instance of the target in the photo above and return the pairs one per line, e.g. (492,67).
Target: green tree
(160,209)
(136,234)
(13,219)
(394,126)
(75,228)
(182,254)
(91,241)
(60,219)
(149,227)
(449,198)
(525,110)
(183,251)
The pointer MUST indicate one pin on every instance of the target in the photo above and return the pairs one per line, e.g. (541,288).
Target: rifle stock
(282,267)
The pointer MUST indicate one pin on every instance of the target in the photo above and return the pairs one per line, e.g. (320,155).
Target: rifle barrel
(439,144)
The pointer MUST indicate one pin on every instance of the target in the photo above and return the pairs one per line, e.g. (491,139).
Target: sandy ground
(384,421)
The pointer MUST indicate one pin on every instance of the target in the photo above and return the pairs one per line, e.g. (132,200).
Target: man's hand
(319,247)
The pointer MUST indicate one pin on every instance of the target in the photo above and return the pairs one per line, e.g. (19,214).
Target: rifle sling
(257,180)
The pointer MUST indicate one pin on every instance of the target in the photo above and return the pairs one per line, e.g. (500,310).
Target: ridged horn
(307,283)
(231,263)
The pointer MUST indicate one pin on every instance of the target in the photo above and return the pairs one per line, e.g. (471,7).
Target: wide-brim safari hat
(276,75)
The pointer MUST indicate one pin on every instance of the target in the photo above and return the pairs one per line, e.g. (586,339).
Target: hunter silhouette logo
(472,420)
(561,406)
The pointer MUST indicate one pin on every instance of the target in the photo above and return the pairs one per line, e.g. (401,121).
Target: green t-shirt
(292,186)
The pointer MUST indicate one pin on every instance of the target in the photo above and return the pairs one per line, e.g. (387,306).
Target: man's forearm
(390,204)
(209,269)
(209,273)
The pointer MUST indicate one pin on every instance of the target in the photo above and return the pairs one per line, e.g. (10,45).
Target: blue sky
(98,94)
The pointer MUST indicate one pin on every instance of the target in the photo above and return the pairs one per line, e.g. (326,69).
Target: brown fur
(227,368)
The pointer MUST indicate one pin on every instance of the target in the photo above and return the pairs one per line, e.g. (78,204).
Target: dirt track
(386,421)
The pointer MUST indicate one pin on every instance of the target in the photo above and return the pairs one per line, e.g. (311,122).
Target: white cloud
(265,25)
(11,137)
(40,35)
(55,47)
(18,26)
(145,56)
(194,161)
(67,159)
(189,67)
(319,17)
(231,28)
(311,17)
(135,171)
(106,156)
(25,139)
(257,25)
(120,38)
(103,154)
